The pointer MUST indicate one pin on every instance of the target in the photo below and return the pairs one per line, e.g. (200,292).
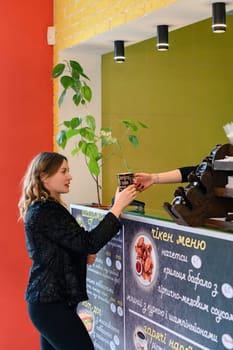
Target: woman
(59,249)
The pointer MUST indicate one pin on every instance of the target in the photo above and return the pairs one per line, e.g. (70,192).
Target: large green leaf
(77,99)
(75,122)
(93,167)
(92,151)
(90,120)
(67,81)
(87,133)
(76,66)
(86,92)
(83,145)
(58,70)
(75,74)
(72,132)
(77,86)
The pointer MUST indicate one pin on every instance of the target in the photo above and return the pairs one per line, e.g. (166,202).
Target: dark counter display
(158,285)
(182,295)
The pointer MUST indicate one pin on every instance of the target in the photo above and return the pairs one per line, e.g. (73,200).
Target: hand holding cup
(124,180)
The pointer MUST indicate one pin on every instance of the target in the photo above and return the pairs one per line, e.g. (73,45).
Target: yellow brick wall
(79,20)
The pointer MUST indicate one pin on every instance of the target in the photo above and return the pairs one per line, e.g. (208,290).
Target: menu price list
(142,334)
(178,289)
(103,312)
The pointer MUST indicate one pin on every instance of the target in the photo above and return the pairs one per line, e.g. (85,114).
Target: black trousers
(60,327)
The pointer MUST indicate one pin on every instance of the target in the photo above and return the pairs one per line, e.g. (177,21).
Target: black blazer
(58,247)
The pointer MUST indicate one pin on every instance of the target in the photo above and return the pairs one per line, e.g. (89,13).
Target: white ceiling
(177,15)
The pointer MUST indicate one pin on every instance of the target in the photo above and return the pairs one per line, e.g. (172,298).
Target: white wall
(83,189)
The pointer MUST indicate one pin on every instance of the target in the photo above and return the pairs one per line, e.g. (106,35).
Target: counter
(158,285)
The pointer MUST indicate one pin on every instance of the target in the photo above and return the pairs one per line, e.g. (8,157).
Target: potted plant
(89,140)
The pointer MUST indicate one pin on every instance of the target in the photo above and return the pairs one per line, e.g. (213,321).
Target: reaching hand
(143,181)
(123,199)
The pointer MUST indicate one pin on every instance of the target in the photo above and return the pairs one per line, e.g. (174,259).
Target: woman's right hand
(123,199)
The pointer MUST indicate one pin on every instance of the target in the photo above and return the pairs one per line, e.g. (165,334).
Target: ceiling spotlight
(162,38)
(218,17)
(119,51)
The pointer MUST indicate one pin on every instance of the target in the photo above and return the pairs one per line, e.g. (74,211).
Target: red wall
(26,128)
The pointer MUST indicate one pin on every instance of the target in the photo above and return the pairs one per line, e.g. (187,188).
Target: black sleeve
(54,222)
(185,171)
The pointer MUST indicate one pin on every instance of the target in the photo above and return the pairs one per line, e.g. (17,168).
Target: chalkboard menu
(158,286)
(103,313)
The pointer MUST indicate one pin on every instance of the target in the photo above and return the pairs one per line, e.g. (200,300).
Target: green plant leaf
(90,120)
(92,151)
(84,75)
(75,74)
(77,85)
(87,133)
(76,99)
(134,140)
(58,70)
(72,132)
(130,124)
(61,139)
(86,92)
(106,130)
(75,122)
(67,81)
(93,167)
(66,123)
(75,151)
(61,98)
(76,66)
(83,145)
(142,125)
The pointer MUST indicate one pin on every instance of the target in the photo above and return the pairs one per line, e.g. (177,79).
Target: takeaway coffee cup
(124,180)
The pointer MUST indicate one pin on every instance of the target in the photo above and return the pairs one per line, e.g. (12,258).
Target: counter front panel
(158,285)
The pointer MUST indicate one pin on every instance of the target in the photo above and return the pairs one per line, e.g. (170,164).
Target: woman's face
(59,182)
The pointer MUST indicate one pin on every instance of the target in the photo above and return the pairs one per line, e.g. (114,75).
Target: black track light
(162,37)
(119,51)
(219,17)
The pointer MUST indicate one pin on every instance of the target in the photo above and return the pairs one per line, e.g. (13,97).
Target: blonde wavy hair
(45,163)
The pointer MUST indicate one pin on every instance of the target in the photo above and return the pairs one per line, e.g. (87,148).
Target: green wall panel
(184,95)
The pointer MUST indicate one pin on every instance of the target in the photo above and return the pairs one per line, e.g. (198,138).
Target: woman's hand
(91,259)
(143,181)
(123,199)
